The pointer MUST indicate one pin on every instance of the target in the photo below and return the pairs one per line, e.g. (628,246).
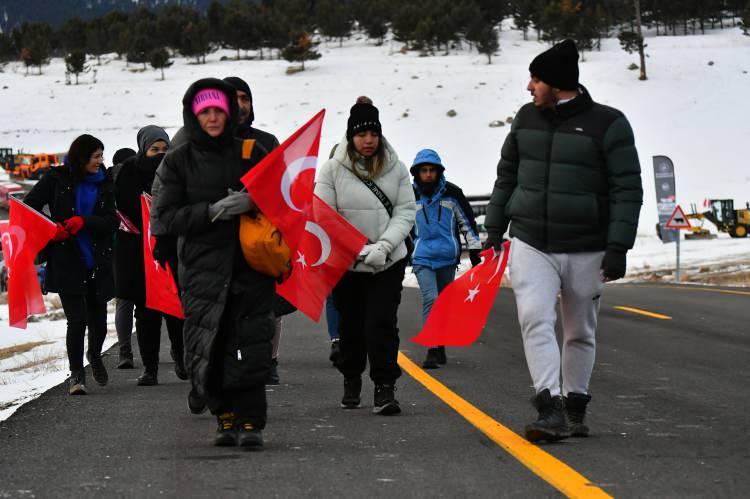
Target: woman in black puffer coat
(81,200)
(228,306)
(132,178)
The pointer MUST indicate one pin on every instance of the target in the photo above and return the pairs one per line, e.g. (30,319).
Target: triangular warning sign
(678,220)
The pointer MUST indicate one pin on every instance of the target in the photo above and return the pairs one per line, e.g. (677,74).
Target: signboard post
(677,221)
(664,183)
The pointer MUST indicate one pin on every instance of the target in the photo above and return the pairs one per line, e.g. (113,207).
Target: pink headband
(210,97)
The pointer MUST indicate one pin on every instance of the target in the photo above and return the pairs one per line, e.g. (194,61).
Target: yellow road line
(707,290)
(555,472)
(644,312)
(694,288)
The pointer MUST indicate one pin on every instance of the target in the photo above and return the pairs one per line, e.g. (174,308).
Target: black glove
(613,264)
(163,249)
(474,257)
(494,240)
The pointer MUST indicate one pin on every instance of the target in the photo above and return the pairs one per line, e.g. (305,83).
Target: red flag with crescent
(281,184)
(460,311)
(161,290)
(23,236)
(327,248)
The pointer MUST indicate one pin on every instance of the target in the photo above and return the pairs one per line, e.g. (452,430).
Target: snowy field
(690,110)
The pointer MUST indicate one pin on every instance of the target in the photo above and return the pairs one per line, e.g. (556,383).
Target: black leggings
(81,311)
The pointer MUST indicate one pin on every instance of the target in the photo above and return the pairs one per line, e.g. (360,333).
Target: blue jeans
(332,318)
(431,283)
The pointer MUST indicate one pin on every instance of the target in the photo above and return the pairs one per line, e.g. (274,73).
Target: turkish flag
(327,247)
(23,236)
(282,183)
(161,290)
(460,311)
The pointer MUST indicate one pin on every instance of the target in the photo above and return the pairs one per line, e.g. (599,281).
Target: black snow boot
(97,368)
(148,378)
(442,358)
(551,424)
(385,401)
(77,383)
(126,361)
(352,389)
(249,437)
(575,406)
(196,404)
(226,434)
(432,361)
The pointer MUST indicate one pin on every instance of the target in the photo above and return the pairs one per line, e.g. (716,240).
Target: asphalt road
(669,418)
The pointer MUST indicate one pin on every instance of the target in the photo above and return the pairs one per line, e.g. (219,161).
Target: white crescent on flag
(290,175)
(325,241)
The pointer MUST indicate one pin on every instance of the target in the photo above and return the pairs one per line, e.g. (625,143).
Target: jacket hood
(427,156)
(194,131)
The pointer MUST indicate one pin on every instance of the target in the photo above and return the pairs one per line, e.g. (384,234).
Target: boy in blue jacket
(443,214)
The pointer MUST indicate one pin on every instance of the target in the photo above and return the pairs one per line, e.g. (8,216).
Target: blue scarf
(86,193)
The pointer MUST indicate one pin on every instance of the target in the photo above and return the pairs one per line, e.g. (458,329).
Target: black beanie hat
(362,116)
(241,85)
(558,66)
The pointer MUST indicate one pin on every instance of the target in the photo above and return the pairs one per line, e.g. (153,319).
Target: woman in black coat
(80,199)
(228,306)
(132,178)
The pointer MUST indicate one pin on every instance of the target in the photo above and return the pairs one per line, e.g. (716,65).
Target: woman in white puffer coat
(370,187)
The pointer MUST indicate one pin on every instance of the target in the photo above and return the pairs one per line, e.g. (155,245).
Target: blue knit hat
(426,156)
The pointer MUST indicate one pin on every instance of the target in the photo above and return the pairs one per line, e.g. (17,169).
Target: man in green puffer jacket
(569,185)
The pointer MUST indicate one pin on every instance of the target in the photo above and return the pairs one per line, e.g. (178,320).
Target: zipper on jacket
(546,186)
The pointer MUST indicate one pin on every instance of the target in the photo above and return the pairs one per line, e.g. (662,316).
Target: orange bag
(263,247)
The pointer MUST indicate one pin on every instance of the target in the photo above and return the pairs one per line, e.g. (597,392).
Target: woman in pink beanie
(229,320)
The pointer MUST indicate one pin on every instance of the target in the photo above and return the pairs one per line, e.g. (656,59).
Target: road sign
(678,220)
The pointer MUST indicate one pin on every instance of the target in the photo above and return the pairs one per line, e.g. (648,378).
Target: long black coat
(131,180)
(192,176)
(66,271)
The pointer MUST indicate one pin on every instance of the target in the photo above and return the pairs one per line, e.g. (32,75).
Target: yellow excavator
(723,215)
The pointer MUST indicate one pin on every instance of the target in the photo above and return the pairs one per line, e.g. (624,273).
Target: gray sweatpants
(537,279)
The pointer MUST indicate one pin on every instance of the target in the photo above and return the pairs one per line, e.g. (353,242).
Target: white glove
(376,256)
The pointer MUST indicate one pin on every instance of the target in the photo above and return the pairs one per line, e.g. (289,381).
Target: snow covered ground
(692,109)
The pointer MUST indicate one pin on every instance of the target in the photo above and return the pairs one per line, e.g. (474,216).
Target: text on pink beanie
(210,97)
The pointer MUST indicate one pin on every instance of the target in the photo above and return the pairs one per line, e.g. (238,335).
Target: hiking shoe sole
(388,409)
(536,434)
(78,390)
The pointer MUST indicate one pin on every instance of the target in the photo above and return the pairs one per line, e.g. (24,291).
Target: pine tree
(75,63)
(73,35)
(745,16)
(7,49)
(484,36)
(406,17)
(373,18)
(300,49)
(36,44)
(195,40)
(159,59)
(335,19)
(523,11)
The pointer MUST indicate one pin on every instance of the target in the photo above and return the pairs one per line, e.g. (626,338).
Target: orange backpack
(262,245)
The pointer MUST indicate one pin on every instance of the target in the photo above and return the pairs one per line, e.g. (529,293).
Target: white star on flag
(472,293)
(301,259)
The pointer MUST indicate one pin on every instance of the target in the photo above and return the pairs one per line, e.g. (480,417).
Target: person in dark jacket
(443,214)
(228,306)
(132,178)
(569,185)
(124,308)
(81,201)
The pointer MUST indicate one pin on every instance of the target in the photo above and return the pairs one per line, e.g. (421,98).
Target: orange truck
(34,168)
